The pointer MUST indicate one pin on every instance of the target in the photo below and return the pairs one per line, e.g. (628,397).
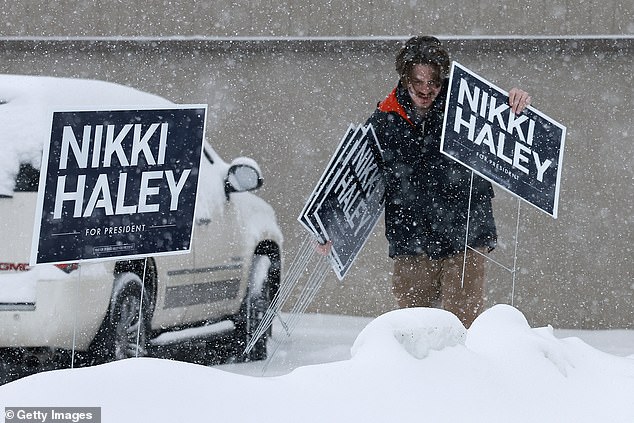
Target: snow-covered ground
(407,365)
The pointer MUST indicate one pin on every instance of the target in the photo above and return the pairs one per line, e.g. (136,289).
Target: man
(428,195)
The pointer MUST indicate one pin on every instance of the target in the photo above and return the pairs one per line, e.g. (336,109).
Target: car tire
(128,319)
(255,304)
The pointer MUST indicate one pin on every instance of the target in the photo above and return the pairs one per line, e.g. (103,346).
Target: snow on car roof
(26,103)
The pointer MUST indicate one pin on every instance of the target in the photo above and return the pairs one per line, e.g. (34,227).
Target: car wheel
(254,305)
(128,325)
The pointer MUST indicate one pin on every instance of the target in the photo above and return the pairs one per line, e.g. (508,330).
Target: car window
(28,178)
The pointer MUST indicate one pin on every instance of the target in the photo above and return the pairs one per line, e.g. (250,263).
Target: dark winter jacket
(427,193)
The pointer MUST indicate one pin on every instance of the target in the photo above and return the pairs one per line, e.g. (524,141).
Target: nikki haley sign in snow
(521,153)
(118,183)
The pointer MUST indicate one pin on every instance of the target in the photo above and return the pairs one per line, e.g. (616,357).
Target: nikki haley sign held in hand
(521,153)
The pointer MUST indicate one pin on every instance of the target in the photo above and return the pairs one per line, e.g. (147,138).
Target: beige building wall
(283,81)
(227,18)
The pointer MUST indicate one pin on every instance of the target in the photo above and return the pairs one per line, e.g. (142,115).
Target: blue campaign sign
(520,153)
(118,183)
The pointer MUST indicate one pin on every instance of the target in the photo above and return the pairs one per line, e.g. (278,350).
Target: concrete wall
(315,18)
(287,98)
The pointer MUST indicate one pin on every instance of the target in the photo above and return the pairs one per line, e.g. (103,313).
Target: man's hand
(324,249)
(518,100)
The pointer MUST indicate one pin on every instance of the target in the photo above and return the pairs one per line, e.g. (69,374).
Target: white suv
(116,309)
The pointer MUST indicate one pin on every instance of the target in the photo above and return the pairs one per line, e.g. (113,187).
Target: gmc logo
(16,267)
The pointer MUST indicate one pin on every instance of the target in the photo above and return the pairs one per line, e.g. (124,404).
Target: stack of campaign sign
(348,200)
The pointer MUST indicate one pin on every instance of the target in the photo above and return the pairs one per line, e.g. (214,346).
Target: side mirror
(243,175)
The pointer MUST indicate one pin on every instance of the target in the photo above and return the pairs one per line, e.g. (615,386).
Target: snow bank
(414,331)
(407,365)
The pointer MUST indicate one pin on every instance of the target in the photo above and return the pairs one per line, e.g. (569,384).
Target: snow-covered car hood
(26,104)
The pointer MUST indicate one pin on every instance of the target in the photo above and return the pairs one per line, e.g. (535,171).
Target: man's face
(423,86)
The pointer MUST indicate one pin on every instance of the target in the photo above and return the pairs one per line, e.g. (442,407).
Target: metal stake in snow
(300,266)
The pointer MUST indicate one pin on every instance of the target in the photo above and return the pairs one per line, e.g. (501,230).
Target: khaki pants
(419,281)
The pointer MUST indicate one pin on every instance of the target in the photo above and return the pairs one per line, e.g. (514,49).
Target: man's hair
(422,50)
